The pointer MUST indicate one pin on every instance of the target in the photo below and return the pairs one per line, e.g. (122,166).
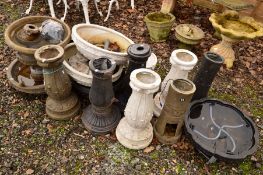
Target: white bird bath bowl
(85,35)
(80,77)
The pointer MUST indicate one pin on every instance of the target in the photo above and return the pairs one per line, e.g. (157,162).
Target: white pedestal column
(135,130)
(182,62)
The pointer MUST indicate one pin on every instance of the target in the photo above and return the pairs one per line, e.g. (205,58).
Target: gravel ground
(31,143)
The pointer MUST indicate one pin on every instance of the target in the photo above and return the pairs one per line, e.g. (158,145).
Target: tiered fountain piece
(182,62)
(25,36)
(135,130)
(61,103)
(233,28)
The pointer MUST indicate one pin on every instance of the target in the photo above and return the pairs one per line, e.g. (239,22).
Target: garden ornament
(203,79)
(168,127)
(182,61)
(102,115)
(61,103)
(135,130)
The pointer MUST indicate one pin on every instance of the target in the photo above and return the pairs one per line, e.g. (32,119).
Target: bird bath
(80,77)
(188,35)
(24,37)
(89,38)
(233,28)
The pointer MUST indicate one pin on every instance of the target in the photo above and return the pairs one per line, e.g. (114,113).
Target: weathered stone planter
(138,55)
(87,36)
(182,62)
(159,25)
(135,130)
(24,37)
(232,28)
(102,116)
(210,65)
(188,35)
(168,127)
(61,103)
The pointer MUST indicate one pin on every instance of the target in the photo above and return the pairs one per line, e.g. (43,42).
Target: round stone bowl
(12,75)
(24,51)
(189,34)
(79,77)
(84,35)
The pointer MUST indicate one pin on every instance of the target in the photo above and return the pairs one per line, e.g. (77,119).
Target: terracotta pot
(61,103)
(102,116)
(135,130)
(183,61)
(168,127)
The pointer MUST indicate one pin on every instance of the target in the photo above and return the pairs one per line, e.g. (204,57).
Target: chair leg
(85,9)
(51,7)
(109,9)
(30,7)
(132,4)
(59,2)
(96,5)
(66,10)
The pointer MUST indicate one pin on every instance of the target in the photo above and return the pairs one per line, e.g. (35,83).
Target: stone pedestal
(135,130)
(168,127)
(182,62)
(138,56)
(61,103)
(210,65)
(168,6)
(224,49)
(101,116)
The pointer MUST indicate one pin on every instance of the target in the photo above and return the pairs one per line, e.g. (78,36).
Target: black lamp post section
(138,56)
(210,65)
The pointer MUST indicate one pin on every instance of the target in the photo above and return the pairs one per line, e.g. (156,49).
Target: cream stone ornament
(182,62)
(135,130)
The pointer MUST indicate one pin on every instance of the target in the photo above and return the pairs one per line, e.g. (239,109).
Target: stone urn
(24,36)
(182,62)
(102,115)
(159,25)
(188,35)
(138,56)
(203,79)
(61,103)
(168,127)
(135,130)
(233,28)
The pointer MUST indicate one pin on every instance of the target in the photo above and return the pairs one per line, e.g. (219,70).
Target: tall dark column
(138,56)
(210,65)
(102,115)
